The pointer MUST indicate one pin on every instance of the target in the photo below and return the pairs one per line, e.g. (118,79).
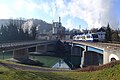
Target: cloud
(4,11)
(31,5)
(22,8)
(69,24)
(96,13)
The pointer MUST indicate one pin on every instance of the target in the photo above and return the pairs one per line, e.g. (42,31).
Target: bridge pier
(21,54)
(50,47)
(105,57)
(45,48)
(76,53)
(83,56)
(41,48)
(91,58)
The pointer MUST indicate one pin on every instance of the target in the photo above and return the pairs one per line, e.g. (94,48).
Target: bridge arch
(113,57)
(92,58)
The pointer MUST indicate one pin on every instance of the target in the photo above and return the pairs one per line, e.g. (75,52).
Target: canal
(47,61)
(73,61)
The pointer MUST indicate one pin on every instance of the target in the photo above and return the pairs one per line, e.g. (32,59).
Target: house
(101,34)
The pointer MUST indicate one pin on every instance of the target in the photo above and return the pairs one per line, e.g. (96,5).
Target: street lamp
(3,54)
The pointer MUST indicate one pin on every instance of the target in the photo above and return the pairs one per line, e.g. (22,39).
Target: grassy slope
(112,73)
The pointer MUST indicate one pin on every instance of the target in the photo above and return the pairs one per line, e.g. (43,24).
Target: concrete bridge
(21,49)
(91,52)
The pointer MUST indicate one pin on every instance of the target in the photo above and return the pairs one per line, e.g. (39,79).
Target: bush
(101,67)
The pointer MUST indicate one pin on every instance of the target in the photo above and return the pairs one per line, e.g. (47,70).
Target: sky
(83,14)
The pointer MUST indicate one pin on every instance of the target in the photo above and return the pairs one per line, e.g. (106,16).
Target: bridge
(21,49)
(94,53)
(91,53)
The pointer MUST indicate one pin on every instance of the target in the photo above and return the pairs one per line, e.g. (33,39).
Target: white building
(55,27)
(58,30)
(101,34)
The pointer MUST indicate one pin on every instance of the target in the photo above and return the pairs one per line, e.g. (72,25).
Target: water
(46,61)
(6,55)
(49,61)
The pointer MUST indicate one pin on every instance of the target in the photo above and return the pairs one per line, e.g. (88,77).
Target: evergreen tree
(26,34)
(14,31)
(108,33)
(4,35)
(33,32)
(115,36)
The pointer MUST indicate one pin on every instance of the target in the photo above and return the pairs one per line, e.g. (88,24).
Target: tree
(26,34)
(14,31)
(21,34)
(94,30)
(33,32)
(115,36)
(3,33)
(85,31)
(108,33)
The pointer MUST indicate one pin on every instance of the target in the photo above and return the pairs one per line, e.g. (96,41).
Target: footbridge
(20,49)
(94,53)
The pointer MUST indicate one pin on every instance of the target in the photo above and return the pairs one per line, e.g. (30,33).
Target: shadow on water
(31,62)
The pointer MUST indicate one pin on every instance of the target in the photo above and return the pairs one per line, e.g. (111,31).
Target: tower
(59,22)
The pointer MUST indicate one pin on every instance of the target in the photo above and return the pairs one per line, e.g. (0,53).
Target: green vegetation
(108,33)
(13,31)
(111,73)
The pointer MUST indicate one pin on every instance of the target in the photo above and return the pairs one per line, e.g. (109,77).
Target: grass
(110,73)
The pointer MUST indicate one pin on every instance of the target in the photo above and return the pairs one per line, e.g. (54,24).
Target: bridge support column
(105,57)
(83,57)
(76,56)
(41,48)
(45,48)
(50,47)
(21,54)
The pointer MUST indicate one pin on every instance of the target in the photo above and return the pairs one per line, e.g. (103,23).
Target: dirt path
(26,67)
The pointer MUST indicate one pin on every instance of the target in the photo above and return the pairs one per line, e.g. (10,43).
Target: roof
(101,30)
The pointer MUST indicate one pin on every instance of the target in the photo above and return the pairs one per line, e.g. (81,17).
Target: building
(58,30)
(101,34)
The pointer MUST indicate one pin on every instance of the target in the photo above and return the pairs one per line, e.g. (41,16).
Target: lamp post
(3,54)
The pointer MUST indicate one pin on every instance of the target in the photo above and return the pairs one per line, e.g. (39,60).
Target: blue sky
(87,13)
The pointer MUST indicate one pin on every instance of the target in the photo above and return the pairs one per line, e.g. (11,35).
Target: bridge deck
(98,45)
(17,45)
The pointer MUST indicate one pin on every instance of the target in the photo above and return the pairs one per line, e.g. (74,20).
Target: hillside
(43,27)
(111,73)
(4,21)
